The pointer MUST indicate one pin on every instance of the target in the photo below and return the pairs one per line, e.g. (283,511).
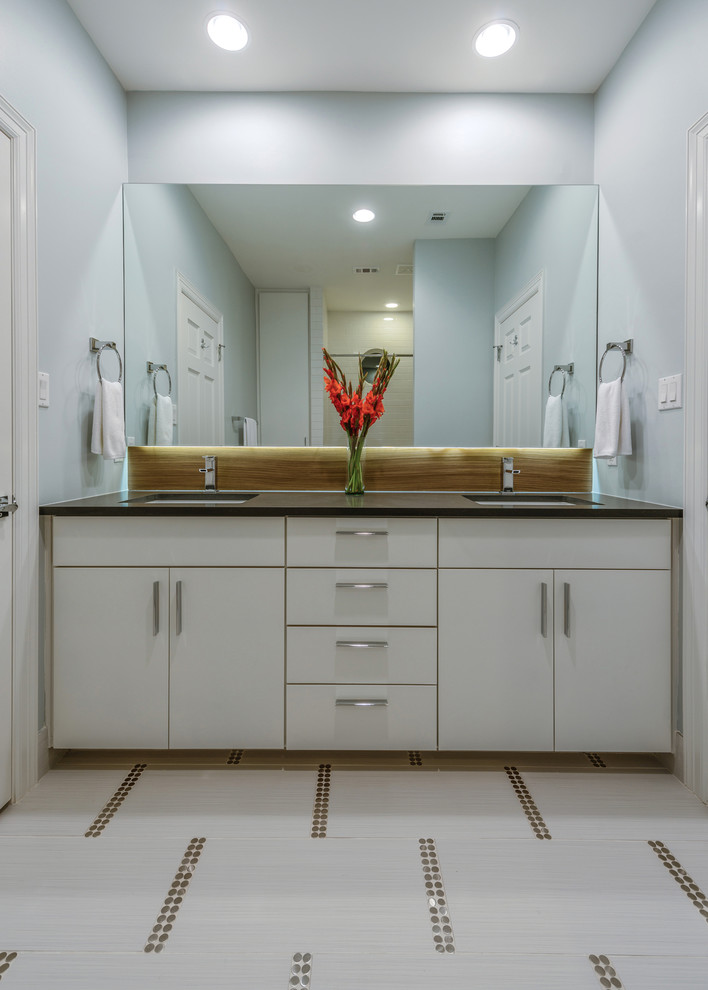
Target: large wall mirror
(234,289)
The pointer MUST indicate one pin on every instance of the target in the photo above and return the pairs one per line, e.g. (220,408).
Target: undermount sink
(534,501)
(191,498)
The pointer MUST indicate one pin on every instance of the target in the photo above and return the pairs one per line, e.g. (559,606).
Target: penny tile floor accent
(75,913)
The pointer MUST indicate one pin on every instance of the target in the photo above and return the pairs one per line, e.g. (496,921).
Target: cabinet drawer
(643,544)
(323,716)
(361,655)
(160,542)
(362,542)
(366,596)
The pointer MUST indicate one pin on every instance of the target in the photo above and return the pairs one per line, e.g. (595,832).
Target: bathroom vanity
(406,621)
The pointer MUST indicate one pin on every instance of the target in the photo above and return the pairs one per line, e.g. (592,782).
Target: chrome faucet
(209,472)
(508,472)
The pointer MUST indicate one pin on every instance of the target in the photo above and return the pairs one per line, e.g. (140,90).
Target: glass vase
(355,477)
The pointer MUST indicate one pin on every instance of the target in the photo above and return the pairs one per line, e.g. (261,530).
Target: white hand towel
(160,422)
(555,426)
(612,426)
(108,434)
(250,432)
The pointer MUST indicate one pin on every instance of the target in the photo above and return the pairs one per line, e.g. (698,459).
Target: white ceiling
(296,236)
(565,46)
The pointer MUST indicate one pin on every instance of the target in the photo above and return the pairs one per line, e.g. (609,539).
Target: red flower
(373,406)
(357,414)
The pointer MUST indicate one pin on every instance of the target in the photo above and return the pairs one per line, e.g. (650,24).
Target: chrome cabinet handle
(361,703)
(362,532)
(363,646)
(155,607)
(361,585)
(566,609)
(544,609)
(178,600)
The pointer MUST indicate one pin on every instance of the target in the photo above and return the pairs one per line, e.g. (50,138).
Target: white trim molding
(25,522)
(695,521)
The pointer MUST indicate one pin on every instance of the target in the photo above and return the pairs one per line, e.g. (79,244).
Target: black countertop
(584,505)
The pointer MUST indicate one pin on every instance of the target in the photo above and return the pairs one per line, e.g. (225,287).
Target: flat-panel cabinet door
(227,658)
(613,661)
(495,666)
(110,657)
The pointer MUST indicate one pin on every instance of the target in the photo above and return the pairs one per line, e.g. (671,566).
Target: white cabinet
(226,658)
(402,633)
(496,659)
(613,671)
(111,642)
(362,643)
(583,665)
(184,657)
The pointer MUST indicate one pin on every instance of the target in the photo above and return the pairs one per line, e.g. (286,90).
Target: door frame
(25,578)
(695,521)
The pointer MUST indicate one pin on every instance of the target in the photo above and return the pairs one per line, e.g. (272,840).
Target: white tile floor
(212,865)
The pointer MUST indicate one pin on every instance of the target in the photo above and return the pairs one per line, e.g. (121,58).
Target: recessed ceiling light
(363,216)
(387,319)
(495,38)
(227,32)
(391,305)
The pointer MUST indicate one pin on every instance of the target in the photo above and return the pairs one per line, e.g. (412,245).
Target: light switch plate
(671,392)
(43,389)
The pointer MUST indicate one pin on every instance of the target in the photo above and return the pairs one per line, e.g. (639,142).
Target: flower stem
(355,477)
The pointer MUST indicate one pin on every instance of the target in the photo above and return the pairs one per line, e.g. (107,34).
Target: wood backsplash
(385,468)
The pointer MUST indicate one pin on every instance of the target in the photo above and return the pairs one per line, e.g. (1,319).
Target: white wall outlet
(671,392)
(43,391)
(174,414)
(612,461)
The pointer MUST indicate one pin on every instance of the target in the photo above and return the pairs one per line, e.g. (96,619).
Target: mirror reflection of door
(518,337)
(200,374)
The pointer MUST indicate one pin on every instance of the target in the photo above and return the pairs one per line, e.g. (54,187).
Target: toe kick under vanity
(299,620)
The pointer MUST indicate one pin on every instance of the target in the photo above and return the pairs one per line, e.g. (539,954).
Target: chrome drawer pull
(544,609)
(361,586)
(566,609)
(362,532)
(363,646)
(361,703)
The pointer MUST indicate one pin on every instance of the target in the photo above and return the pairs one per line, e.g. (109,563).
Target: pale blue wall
(416,138)
(554,230)
(657,91)
(52,74)
(454,333)
(168,232)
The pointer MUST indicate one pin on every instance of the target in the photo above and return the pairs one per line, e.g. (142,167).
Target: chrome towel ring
(625,347)
(112,347)
(565,370)
(153,370)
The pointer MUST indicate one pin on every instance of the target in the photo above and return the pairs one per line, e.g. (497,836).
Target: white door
(284,369)
(6,480)
(200,376)
(495,646)
(518,340)
(226,658)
